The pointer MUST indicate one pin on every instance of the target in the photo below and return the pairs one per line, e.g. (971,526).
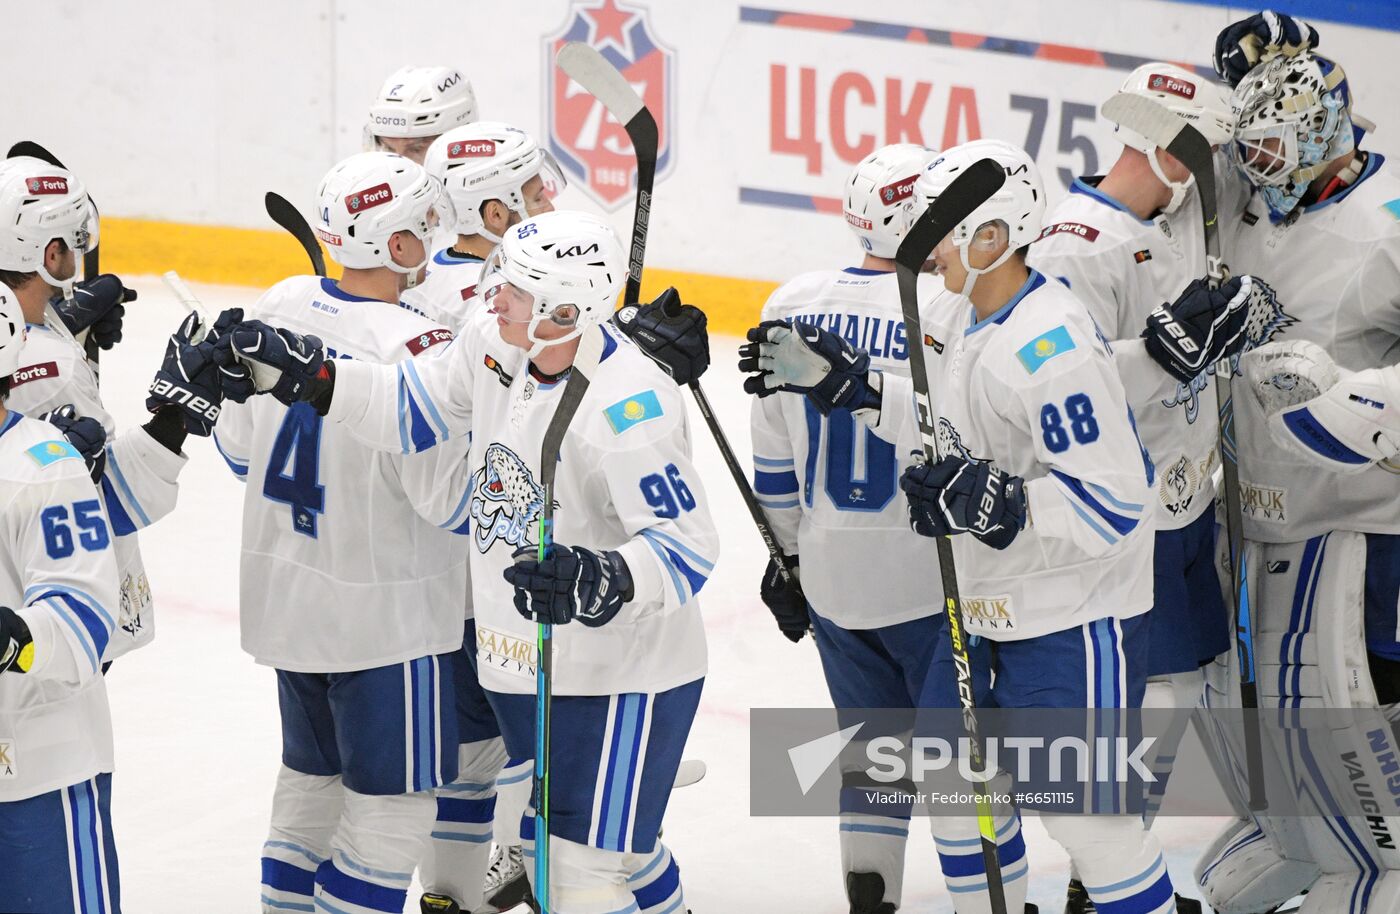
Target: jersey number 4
(294,469)
(87,517)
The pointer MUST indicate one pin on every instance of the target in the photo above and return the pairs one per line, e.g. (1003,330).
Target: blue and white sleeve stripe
(775,482)
(420,424)
(123,508)
(1092,503)
(688,569)
(240,469)
(90,622)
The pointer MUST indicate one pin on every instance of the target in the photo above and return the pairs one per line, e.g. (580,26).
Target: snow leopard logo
(950,442)
(1264,318)
(506,500)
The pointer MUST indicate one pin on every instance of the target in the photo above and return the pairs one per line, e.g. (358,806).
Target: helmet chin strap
(973,272)
(1178,188)
(63,285)
(412,272)
(541,344)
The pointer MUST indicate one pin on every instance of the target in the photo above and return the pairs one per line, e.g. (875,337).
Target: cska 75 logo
(588,142)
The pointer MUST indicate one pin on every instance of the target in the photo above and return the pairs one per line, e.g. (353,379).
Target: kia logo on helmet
(448,83)
(369,198)
(472,149)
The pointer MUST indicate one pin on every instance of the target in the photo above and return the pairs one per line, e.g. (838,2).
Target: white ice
(197,730)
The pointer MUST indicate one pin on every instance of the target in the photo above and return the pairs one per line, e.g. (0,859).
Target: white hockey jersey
(59,572)
(448,294)
(1121,267)
(625,481)
(1033,388)
(349,555)
(829,485)
(139,485)
(1336,272)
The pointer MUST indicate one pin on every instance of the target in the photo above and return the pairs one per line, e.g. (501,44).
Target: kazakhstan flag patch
(634,410)
(48,452)
(1044,348)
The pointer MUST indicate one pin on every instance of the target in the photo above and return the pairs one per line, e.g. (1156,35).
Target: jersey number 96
(668,495)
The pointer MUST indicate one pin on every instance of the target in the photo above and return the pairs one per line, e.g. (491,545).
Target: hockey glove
(189,380)
(96,306)
(571,583)
(85,433)
(1242,45)
(956,495)
(285,364)
(672,334)
(785,600)
(1341,420)
(16,645)
(1200,328)
(803,358)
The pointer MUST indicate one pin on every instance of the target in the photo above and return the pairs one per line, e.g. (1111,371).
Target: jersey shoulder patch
(633,410)
(1044,348)
(39,371)
(425,341)
(1393,208)
(1077,229)
(46,453)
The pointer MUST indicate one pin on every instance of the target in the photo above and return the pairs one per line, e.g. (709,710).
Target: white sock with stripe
(306,809)
(373,853)
(460,849)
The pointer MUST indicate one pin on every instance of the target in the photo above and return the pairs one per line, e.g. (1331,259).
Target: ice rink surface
(197,730)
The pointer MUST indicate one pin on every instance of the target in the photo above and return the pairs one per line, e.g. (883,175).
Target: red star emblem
(610,24)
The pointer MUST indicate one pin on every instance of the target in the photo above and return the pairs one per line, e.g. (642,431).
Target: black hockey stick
(90,258)
(1168,131)
(290,218)
(967,192)
(590,69)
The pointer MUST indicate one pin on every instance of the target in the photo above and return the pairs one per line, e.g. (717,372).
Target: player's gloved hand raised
(285,364)
(571,583)
(190,379)
(1242,45)
(674,335)
(1201,327)
(785,599)
(957,495)
(85,433)
(803,358)
(96,306)
(16,645)
(1340,420)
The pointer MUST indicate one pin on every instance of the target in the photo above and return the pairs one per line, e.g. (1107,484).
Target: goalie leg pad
(1244,872)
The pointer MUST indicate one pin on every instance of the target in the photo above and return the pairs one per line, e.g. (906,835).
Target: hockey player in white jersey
(1125,243)
(1322,550)
(58,611)
(496,176)
(633,541)
(353,571)
(415,106)
(829,486)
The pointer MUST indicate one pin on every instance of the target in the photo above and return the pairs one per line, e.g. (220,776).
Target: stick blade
(968,191)
(1161,126)
(33,150)
(590,69)
(281,210)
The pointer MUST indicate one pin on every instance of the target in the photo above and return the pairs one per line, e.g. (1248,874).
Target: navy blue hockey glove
(285,364)
(803,358)
(674,335)
(190,380)
(16,644)
(1242,45)
(785,600)
(235,379)
(956,495)
(1201,327)
(96,306)
(571,583)
(85,433)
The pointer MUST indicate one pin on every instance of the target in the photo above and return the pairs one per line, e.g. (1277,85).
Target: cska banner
(589,144)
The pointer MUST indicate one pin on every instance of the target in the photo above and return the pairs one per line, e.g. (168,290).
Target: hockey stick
(1167,131)
(590,352)
(290,218)
(603,81)
(967,192)
(90,258)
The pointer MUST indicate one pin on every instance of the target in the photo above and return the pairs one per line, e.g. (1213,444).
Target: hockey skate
(507,884)
(1077,901)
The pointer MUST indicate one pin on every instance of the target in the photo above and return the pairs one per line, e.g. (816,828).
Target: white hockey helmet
(876,193)
(1202,103)
(489,160)
(12,331)
(570,264)
(366,199)
(1294,118)
(38,203)
(1019,204)
(420,101)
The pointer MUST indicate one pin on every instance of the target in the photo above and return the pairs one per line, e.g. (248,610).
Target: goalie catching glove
(1342,420)
(570,583)
(956,495)
(672,334)
(802,358)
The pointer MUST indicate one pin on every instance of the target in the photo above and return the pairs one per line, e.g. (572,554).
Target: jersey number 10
(864,481)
